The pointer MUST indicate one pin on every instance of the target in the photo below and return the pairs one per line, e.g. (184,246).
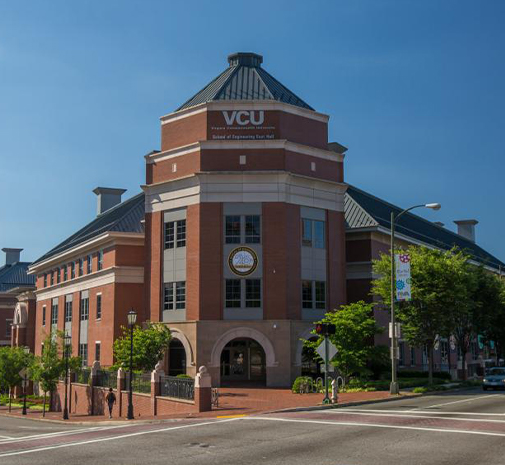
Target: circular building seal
(243,261)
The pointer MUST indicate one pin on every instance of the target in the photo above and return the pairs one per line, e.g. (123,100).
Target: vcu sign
(244,117)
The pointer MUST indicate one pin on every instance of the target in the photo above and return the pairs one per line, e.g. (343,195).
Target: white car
(494,379)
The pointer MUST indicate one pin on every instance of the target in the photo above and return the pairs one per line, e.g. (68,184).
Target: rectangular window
(252,229)
(168,298)
(180,295)
(307,233)
(233,293)
(52,278)
(100,259)
(81,266)
(83,353)
(65,273)
(181,233)
(84,313)
(54,312)
(44,315)
(8,328)
(232,229)
(319,242)
(72,270)
(97,351)
(68,311)
(99,306)
(89,264)
(45,280)
(306,294)
(412,357)
(169,235)
(320,288)
(253,293)
(58,275)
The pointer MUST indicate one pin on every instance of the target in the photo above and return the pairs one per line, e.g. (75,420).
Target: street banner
(402,267)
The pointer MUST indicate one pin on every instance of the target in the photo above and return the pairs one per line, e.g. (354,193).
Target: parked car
(494,379)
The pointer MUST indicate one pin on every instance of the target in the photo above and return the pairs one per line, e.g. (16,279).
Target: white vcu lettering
(244,117)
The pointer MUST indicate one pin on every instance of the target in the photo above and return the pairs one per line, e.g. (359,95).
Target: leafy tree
(12,361)
(149,346)
(439,292)
(355,328)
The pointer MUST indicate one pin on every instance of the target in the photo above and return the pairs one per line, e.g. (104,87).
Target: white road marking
(488,396)
(377,425)
(418,411)
(390,414)
(5,437)
(111,438)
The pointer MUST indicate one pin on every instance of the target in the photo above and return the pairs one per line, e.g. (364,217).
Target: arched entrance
(243,360)
(310,367)
(176,358)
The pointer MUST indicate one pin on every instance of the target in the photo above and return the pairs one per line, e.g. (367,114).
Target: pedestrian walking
(111,400)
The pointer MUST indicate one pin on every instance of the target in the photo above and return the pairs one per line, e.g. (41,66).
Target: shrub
(184,376)
(302,384)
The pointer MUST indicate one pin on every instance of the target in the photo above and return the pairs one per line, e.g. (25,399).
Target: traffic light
(325,329)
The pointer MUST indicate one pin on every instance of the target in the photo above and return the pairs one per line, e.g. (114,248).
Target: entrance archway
(243,360)
(310,367)
(176,358)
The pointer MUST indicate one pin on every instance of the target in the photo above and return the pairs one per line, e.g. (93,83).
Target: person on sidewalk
(111,400)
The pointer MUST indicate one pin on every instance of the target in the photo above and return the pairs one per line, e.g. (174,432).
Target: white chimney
(107,197)
(11,255)
(466,228)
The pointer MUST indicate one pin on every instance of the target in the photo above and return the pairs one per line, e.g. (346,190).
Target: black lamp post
(132,319)
(25,381)
(66,342)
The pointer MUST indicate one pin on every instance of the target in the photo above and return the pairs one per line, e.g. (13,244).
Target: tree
(439,280)
(12,361)
(149,346)
(355,328)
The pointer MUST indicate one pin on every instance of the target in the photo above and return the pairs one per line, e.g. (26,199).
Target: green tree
(439,292)
(355,328)
(12,361)
(149,346)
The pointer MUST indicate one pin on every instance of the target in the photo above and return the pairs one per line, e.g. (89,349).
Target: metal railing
(107,379)
(141,382)
(83,376)
(181,388)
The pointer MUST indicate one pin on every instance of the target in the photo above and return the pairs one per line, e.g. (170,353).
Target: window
(54,312)
(52,278)
(168,298)
(65,273)
(181,233)
(83,353)
(81,266)
(45,280)
(412,357)
(97,351)
(169,235)
(320,287)
(89,264)
(401,350)
(232,229)
(180,295)
(100,259)
(84,309)
(319,234)
(8,328)
(307,233)
(252,229)
(98,307)
(58,275)
(233,293)
(68,311)
(44,315)
(306,294)
(253,293)
(72,270)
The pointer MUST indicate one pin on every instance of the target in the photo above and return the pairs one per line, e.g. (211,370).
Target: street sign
(25,383)
(332,350)
(402,270)
(398,331)
(331,368)
(23,373)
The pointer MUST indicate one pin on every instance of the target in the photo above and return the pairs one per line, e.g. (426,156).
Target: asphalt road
(450,428)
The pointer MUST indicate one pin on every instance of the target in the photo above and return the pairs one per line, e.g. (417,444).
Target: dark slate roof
(15,275)
(125,217)
(363,210)
(245,79)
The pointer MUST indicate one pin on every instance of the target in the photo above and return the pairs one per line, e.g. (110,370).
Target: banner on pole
(402,268)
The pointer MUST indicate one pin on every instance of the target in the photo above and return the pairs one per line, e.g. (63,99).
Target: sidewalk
(232,401)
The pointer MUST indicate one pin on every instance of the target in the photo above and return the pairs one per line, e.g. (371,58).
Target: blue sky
(414,89)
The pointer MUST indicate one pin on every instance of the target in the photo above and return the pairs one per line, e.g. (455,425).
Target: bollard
(334,391)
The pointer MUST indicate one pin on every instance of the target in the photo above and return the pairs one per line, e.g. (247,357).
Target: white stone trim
(244,105)
(180,336)
(241,333)
(305,334)
(245,187)
(116,274)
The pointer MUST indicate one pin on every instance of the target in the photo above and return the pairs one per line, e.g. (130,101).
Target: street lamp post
(394,389)
(27,351)
(66,343)
(132,319)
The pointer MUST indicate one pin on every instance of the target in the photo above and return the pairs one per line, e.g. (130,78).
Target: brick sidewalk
(232,401)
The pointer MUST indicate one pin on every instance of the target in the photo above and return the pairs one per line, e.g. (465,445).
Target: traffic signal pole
(326,399)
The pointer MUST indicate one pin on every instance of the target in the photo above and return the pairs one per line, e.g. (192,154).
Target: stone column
(155,386)
(95,368)
(120,387)
(203,390)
